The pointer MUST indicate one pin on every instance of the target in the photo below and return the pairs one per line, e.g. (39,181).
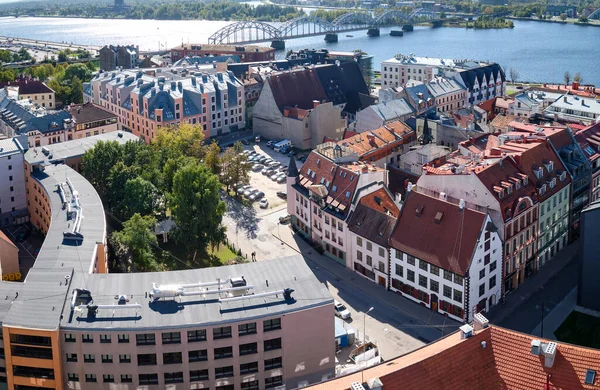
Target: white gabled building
(446,257)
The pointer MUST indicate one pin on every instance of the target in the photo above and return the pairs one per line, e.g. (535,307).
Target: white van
(281,144)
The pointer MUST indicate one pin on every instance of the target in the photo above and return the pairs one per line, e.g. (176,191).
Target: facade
(9,259)
(34,90)
(13,205)
(375,116)
(419,97)
(448,95)
(589,142)
(247,53)
(89,119)
(306,105)
(369,228)
(587,287)
(146,100)
(123,57)
(64,328)
(482,356)
(574,109)
(413,160)
(458,280)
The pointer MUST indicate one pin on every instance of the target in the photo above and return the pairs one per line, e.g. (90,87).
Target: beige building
(9,257)
(34,90)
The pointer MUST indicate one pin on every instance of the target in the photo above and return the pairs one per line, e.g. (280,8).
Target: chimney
(575,85)
(549,354)
(480,322)
(443,196)
(461,204)
(409,187)
(565,99)
(315,103)
(583,102)
(466,331)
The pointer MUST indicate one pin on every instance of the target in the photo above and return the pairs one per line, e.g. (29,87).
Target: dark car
(299,157)
(282,194)
(22,236)
(245,142)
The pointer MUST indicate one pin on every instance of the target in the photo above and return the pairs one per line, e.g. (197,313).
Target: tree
(212,159)
(139,239)
(235,167)
(118,177)
(442,15)
(62,56)
(81,71)
(5,56)
(184,139)
(141,197)
(578,78)
(583,19)
(76,95)
(514,74)
(567,77)
(98,161)
(196,209)
(563,16)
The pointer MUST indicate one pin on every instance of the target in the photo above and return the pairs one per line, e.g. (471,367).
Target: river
(538,51)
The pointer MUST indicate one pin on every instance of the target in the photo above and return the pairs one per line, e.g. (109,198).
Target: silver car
(257,167)
(242,189)
(257,195)
(249,191)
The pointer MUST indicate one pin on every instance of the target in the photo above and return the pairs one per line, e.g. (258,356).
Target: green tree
(62,56)
(196,209)
(235,166)
(563,16)
(98,161)
(212,159)
(5,56)
(583,19)
(578,78)
(118,176)
(76,95)
(141,197)
(139,239)
(81,71)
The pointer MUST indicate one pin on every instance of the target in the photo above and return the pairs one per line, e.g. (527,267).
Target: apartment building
(589,141)
(458,275)
(369,228)
(13,207)
(145,100)
(34,90)
(247,53)
(574,109)
(89,120)
(323,192)
(123,57)
(448,95)
(71,324)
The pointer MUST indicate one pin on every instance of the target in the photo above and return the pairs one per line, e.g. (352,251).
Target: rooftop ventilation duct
(287,295)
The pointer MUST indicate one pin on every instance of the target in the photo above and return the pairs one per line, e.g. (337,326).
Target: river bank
(590,23)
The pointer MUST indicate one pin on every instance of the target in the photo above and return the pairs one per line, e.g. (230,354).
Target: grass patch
(220,256)
(224,254)
(581,329)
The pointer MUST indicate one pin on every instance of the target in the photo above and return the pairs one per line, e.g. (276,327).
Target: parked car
(285,219)
(264,203)
(261,159)
(248,152)
(249,191)
(265,170)
(245,142)
(281,179)
(291,153)
(257,139)
(271,144)
(282,195)
(341,310)
(257,167)
(274,176)
(257,195)
(242,189)
(299,157)
(285,149)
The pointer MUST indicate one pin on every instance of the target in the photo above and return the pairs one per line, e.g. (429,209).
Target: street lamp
(362,372)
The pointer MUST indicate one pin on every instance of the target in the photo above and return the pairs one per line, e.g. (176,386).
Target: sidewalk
(556,317)
(532,285)
(432,325)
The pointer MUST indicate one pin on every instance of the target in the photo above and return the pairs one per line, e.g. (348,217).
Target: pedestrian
(253,256)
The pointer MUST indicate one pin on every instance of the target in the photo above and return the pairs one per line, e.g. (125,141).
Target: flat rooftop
(199,310)
(75,148)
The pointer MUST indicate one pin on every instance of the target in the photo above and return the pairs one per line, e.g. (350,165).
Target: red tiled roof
(374,217)
(369,141)
(501,121)
(589,140)
(322,170)
(455,235)
(344,184)
(506,362)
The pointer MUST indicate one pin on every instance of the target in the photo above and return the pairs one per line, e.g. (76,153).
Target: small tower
(426,138)
(292,178)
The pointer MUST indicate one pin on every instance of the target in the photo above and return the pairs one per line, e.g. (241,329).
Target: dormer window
(562,176)
(334,189)
(318,162)
(525,181)
(539,172)
(552,182)
(322,180)
(313,175)
(347,194)
(501,194)
(542,189)
(549,166)
(518,184)
(309,172)
(509,189)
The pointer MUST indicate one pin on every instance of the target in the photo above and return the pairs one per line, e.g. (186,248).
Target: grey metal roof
(441,86)
(10,146)
(55,252)
(8,293)
(393,109)
(74,148)
(290,272)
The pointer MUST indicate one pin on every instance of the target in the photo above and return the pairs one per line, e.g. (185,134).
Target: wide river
(538,51)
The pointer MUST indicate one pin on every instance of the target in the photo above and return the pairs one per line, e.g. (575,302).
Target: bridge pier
(408,27)
(331,38)
(373,32)
(278,44)
(437,23)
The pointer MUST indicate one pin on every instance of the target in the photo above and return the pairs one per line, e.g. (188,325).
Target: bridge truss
(253,32)
(595,15)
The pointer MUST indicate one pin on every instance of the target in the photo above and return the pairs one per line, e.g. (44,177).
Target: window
(248,368)
(123,338)
(359,255)
(107,358)
(381,252)
(457,296)
(223,372)
(196,335)
(172,358)
(197,356)
(369,246)
(492,282)
(448,275)
(369,260)
(246,329)
(173,377)
(273,363)
(148,379)
(89,358)
(146,359)
(171,338)
(447,292)
(73,377)
(434,286)
(273,344)
(273,381)
(590,377)
(71,357)
(423,265)
(410,275)
(250,385)
(458,279)
(482,274)
(198,375)
(105,338)
(269,325)
(69,338)
(108,378)
(398,254)
(87,338)
(248,349)
(126,378)
(124,358)
(222,333)
(422,281)
(434,270)
(90,378)
(410,259)
(223,353)
(399,270)
(481,290)
(145,339)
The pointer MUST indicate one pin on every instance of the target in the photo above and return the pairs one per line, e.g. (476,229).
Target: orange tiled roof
(369,141)
(506,362)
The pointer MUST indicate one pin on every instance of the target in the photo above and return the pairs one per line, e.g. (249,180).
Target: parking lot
(29,244)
